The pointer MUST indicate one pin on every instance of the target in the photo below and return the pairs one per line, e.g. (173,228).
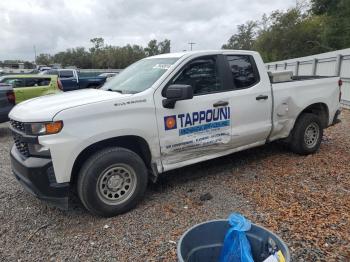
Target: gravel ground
(306,200)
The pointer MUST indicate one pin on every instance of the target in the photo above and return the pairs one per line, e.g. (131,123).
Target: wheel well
(319,109)
(133,143)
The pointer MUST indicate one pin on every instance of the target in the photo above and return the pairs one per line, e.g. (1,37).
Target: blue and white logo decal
(200,121)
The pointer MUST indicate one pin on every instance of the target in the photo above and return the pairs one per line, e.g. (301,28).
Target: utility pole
(191,44)
(34,54)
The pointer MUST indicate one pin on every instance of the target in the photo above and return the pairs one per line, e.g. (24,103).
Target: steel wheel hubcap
(116,184)
(312,133)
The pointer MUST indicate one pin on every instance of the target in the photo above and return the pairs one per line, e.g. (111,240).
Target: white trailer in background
(336,63)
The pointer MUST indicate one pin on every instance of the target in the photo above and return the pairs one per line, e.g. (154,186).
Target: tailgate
(4,88)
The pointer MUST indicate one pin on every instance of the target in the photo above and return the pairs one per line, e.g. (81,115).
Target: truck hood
(44,108)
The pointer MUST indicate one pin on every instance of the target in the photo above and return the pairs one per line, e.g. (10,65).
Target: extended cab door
(230,110)
(199,126)
(251,100)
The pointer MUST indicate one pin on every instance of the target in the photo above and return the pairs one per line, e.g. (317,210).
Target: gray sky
(54,25)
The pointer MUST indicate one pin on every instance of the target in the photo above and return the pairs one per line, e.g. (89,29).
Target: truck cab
(162,113)
(71,80)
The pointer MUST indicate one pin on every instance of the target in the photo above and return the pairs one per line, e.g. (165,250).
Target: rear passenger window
(15,82)
(66,74)
(244,71)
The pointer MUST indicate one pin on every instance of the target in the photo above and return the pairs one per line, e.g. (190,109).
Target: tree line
(312,27)
(101,55)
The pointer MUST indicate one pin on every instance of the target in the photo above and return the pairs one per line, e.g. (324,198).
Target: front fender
(88,124)
(65,148)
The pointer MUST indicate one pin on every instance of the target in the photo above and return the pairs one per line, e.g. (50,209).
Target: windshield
(139,76)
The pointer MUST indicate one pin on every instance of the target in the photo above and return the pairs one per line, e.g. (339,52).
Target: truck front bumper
(38,178)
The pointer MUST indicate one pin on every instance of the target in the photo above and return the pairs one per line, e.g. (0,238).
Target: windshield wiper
(122,91)
(119,91)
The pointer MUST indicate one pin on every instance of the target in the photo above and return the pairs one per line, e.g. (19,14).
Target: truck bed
(298,78)
(293,96)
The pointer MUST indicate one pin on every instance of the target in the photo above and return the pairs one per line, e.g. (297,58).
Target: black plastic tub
(203,242)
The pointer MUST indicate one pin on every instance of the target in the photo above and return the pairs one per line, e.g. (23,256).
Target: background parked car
(7,101)
(44,68)
(29,86)
(71,80)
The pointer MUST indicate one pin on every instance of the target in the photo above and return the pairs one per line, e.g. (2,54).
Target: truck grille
(21,146)
(17,125)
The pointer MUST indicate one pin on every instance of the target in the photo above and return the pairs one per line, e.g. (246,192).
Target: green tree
(281,35)
(101,55)
(322,26)
(164,46)
(152,48)
(98,43)
(244,39)
(336,29)
(44,59)
(289,34)
(155,48)
(324,7)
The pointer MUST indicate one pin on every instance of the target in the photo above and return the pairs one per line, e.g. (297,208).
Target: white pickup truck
(162,113)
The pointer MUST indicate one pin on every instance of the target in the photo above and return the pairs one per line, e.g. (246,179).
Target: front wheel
(112,181)
(307,134)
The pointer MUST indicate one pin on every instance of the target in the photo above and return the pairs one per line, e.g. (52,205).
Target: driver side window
(202,74)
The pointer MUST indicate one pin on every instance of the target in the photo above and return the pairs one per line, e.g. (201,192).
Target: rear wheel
(307,134)
(112,181)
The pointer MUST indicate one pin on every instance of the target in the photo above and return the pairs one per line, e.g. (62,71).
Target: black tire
(103,169)
(302,143)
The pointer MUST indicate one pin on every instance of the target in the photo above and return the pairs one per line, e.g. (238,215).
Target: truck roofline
(202,52)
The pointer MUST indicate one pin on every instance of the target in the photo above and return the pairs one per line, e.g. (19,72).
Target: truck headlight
(47,128)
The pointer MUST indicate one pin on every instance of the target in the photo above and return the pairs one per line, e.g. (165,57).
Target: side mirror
(176,93)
